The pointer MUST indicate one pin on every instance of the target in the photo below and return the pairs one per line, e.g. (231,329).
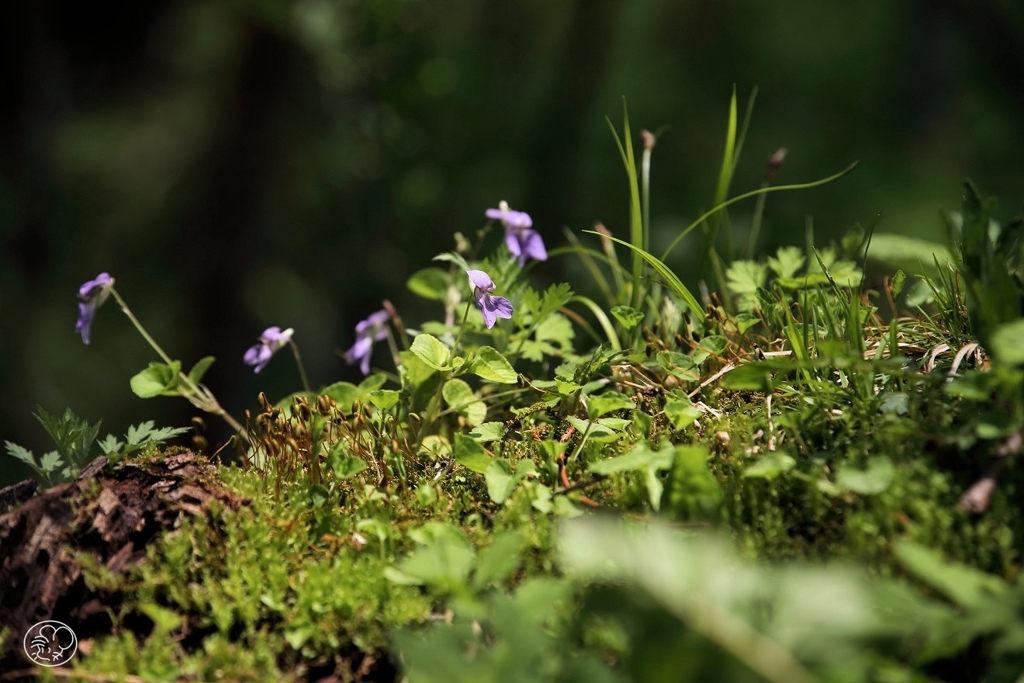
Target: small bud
(775,163)
(648,139)
(605,233)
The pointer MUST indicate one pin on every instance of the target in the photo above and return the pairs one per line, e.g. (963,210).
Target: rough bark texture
(110,516)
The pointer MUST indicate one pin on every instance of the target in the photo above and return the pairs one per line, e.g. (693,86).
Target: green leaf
(875,479)
(471,454)
(770,466)
(965,585)
(344,394)
(607,402)
(681,414)
(756,376)
(110,445)
(159,379)
(692,492)
(679,365)
(900,250)
(639,457)
(498,560)
(744,277)
(344,465)
(593,428)
(488,431)
(138,433)
(20,453)
(787,261)
(318,495)
(898,403)
(490,365)
(628,316)
(199,369)
(436,446)
(50,461)
(384,399)
(445,559)
(430,283)
(431,351)
(1007,343)
(461,399)
(500,481)
(898,280)
(414,372)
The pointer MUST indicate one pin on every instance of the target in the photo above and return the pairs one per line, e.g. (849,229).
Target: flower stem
(138,326)
(197,394)
(298,362)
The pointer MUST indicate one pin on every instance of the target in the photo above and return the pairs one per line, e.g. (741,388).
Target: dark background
(241,164)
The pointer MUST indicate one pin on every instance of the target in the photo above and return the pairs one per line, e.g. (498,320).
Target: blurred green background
(237,164)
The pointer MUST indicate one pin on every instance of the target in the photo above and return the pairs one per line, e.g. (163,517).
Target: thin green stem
(747,195)
(197,394)
(298,362)
(755,223)
(138,326)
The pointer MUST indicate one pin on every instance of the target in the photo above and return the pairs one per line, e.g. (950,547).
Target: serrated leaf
(538,307)
(159,379)
(199,369)
(20,453)
(628,316)
(50,461)
(744,277)
(787,261)
(430,283)
(555,329)
(431,351)
(111,445)
(138,433)
(471,454)
(490,365)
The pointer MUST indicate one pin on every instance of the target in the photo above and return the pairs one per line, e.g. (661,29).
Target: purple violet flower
(93,293)
(368,331)
(271,341)
(493,307)
(522,240)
